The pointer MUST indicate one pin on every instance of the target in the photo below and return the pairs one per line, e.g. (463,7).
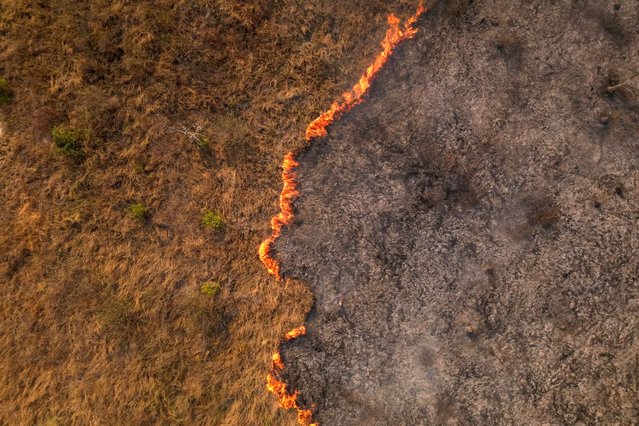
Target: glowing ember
(317,128)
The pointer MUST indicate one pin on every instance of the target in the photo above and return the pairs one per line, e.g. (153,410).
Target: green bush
(5,92)
(138,211)
(68,140)
(202,142)
(210,288)
(212,220)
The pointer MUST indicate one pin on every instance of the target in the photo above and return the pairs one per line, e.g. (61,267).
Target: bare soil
(470,232)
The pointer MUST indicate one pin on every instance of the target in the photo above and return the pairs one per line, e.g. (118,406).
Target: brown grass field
(181,108)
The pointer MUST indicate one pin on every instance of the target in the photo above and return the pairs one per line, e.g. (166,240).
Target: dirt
(470,231)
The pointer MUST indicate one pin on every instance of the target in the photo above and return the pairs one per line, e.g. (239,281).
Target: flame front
(284,217)
(316,129)
(394,35)
(285,399)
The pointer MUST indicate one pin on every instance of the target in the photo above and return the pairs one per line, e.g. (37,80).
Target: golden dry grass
(102,318)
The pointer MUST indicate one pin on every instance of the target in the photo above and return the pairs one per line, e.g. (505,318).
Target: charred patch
(438,190)
(620,90)
(509,48)
(17,262)
(457,8)
(610,24)
(524,218)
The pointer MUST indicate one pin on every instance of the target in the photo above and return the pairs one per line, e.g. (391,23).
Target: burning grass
(275,385)
(316,129)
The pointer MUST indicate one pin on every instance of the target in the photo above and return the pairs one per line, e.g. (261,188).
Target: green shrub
(212,220)
(202,142)
(5,92)
(138,211)
(68,140)
(210,288)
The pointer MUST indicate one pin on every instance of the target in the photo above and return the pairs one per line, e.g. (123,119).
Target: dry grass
(102,317)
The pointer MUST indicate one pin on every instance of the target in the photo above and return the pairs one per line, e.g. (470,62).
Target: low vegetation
(116,316)
(194,135)
(138,211)
(212,220)
(5,92)
(210,288)
(68,140)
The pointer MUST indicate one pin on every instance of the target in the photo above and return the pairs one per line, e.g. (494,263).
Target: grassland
(173,109)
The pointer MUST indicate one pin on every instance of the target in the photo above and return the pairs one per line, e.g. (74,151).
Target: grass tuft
(210,288)
(212,220)
(68,140)
(202,142)
(138,211)
(116,315)
(5,92)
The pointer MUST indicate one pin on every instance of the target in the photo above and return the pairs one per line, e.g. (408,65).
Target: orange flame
(277,361)
(285,399)
(284,217)
(295,333)
(394,36)
(316,129)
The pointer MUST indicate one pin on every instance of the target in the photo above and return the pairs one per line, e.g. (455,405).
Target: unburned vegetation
(129,131)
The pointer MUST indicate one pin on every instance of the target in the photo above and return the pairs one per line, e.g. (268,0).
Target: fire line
(317,129)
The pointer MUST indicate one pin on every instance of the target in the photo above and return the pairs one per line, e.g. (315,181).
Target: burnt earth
(470,232)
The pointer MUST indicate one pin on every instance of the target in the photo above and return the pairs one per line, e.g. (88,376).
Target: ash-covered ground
(471,231)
